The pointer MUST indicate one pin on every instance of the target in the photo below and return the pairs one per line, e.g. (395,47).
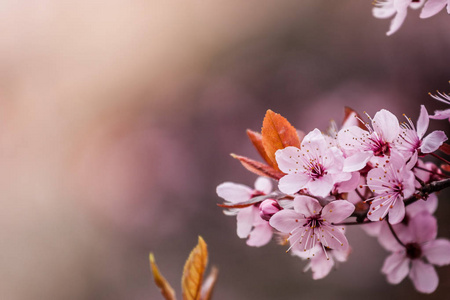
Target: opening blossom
(411,140)
(315,166)
(391,182)
(309,224)
(249,223)
(417,254)
(374,144)
(441,114)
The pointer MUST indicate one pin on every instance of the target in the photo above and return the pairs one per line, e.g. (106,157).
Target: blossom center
(314,221)
(413,251)
(380,147)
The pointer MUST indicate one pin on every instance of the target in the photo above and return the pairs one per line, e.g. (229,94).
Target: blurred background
(117,119)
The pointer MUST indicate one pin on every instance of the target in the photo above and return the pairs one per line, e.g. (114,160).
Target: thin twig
(394,234)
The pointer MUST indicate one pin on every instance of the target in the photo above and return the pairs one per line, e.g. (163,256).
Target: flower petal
(285,220)
(261,234)
(288,158)
(234,192)
(433,141)
(337,211)
(387,239)
(424,227)
(397,212)
(307,206)
(396,267)
(292,183)
(422,122)
(245,219)
(420,205)
(333,237)
(431,8)
(357,161)
(386,123)
(321,187)
(423,276)
(263,184)
(437,252)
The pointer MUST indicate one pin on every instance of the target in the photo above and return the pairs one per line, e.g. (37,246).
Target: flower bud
(268,208)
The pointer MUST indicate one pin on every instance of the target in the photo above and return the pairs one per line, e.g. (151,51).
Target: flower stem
(440,158)
(394,234)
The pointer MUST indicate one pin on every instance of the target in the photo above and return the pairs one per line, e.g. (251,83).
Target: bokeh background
(117,119)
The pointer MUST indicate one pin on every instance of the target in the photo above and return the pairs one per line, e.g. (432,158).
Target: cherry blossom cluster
(398,9)
(373,173)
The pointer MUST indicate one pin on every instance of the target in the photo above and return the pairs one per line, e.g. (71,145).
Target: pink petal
(431,8)
(424,227)
(337,211)
(433,141)
(307,206)
(292,183)
(263,184)
(351,184)
(386,10)
(314,139)
(233,192)
(397,213)
(441,114)
(245,219)
(437,252)
(385,123)
(357,161)
(333,237)
(422,122)
(288,158)
(387,239)
(285,220)
(321,187)
(346,138)
(429,205)
(260,235)
(396,267)
(423,276)
(321,266)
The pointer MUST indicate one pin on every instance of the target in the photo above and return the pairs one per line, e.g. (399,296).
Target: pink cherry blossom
(268,208)
(249,223)
(432,7)
(316,166)
(411,140)
(418,241)
(391,183)
(361,145)
(310,224)
(399,8)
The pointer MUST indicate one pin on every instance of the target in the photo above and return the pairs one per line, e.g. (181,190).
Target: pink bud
(268,208)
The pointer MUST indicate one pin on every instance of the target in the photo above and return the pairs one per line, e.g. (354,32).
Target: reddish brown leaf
(194,268)
(208,286)
(277,133)
(166,290)
(352,118)
(256,139)
(258,168)
(445,148)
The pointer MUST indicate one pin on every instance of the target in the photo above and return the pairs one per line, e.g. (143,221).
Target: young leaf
(194,268)
(256,139)
(352,118)
(277,133)
(208,286)
(166,290)
(258,168)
